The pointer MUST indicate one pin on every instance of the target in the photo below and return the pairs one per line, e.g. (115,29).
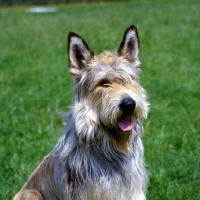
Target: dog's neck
(121,139)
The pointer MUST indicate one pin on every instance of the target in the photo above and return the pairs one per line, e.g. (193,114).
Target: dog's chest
(113,189)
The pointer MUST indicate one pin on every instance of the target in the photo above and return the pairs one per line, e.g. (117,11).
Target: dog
(99,156)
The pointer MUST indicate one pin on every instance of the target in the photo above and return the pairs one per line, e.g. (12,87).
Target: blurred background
(36,87)
(43,2)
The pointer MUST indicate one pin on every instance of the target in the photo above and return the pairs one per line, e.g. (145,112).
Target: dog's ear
(129,46)
(79,53)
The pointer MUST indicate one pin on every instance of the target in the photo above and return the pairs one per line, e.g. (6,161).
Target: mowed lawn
(36,88)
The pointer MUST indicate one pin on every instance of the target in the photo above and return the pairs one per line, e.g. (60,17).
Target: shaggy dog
(100,153)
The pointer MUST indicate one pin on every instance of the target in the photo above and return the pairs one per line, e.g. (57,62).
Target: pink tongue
(125,123)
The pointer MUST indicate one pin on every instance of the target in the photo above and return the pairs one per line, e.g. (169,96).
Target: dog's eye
(104,83)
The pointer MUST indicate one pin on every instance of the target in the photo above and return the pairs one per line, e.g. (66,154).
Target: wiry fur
(94,159)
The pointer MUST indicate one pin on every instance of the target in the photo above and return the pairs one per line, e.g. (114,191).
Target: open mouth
(125,123)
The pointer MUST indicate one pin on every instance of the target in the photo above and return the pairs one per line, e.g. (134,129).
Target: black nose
(127,105)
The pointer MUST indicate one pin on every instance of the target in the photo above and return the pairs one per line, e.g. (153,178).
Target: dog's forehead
(108,63)
(107,58)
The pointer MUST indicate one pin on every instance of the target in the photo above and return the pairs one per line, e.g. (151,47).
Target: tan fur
(100,153)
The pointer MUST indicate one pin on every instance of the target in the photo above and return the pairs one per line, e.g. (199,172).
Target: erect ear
(78,52)
(129,46)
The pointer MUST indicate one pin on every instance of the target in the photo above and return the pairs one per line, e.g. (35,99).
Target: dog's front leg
(28,195)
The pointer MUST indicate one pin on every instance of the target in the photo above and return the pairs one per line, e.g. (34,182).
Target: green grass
(35,86)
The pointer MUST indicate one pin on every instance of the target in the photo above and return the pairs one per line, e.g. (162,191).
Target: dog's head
(108,92)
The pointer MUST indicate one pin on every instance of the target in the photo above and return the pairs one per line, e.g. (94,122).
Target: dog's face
(108,90)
